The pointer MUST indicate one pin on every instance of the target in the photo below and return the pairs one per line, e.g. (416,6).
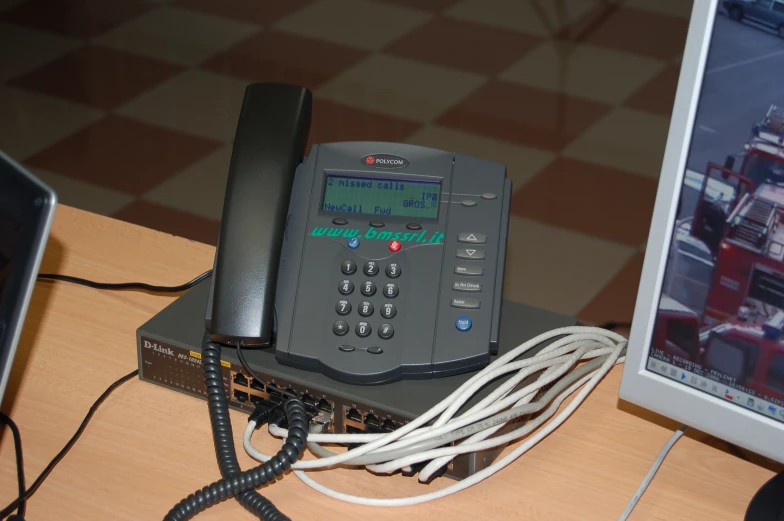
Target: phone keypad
(391,291)
(388,310)
(368,288)
(363,328)
(348,267)
(393,270)
(365,308)
(370,269)
(343,307)
(346,287)
(340,327)
(386,331)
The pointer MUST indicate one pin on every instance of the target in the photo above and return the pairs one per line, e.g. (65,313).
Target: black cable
(612,326)
(250,371)
(118,286)
(236,483)
(20,475)
(60,455)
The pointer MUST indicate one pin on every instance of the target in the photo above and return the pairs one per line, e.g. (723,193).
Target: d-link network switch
(169,347)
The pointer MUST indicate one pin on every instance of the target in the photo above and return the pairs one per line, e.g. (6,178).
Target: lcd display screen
(382,196)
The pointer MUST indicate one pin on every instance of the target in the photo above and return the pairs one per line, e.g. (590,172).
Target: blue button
(353,243)
(463,323)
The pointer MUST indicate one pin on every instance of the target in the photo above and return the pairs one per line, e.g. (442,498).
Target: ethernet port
(354,415)
(388,426)
(274,390)
(257,400)
(308,400)
(239,379)
(255,384)
(352,430)
(240,396)
(371,420)
(324,405)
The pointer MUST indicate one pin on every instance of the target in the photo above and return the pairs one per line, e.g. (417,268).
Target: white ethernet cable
(416,441)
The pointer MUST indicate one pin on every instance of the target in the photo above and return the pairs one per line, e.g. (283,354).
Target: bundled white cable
(576,357)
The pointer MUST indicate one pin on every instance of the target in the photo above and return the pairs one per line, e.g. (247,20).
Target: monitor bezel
(39,202)
(722,419)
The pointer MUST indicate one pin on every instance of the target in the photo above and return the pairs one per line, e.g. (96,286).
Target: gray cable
(649,477)
(503,417)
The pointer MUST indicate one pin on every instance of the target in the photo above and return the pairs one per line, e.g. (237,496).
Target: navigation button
(469,270)
(466,303)
(472,287)
(472,238)
(340,221)
(414,226)
(340,327)
(468,202)
(376,224)
(489,196)
(375,350)
(346,348)
(470,254)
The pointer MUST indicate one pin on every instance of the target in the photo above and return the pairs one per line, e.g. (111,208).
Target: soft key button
(469,270)
(471,287)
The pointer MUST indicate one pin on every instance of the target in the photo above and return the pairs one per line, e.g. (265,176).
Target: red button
(394,245)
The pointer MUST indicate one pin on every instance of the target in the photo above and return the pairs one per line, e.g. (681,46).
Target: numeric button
(348,267)
(388,310)
(340,327)
(368,288)
(346,287)
(371,268)
(365,309)
(391,291)
(385,331)
(363,329)
(343,307)
(393,270)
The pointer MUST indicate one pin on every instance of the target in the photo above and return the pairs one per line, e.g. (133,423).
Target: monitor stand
(768,503)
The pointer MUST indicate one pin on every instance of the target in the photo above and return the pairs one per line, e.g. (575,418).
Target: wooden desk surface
(148,447)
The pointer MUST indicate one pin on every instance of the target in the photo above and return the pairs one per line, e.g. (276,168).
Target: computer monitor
(707,341)
(26,212)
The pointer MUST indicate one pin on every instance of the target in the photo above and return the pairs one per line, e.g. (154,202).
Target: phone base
(169,354)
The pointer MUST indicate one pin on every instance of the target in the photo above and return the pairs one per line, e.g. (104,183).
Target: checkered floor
(128,108)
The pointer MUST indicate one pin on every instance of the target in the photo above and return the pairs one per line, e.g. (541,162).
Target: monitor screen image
(719,325)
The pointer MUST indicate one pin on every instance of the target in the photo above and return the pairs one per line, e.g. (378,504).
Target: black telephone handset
(268,146)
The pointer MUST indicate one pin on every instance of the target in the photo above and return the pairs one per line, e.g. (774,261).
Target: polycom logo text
(385,161)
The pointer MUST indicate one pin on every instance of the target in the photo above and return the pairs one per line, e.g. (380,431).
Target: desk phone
(369,262)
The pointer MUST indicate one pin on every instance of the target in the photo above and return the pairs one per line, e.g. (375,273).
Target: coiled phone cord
(236,483)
